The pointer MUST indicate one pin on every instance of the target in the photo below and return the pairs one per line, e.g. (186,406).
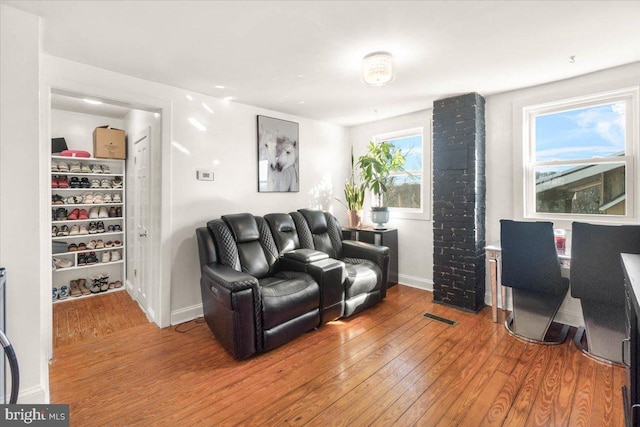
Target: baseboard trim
(416,282)
(186,314)
(33,396)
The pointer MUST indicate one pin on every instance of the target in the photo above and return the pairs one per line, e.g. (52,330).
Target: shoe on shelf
(95,168)
(74,182)
(62,263)
(93,213)
(93,229)
(106,256)
(75,167)
(63,182)
(82,285)
(82,260)
(117,198)
(108,244)
(54,231)
(84,182)
(74,214)
(97,199)
(92,244)
(117,182)
(100,227)
(74,230)
(95,183)
(117,243)
(112,212)
(72,247)
(104,283)
(117,228)
(99,244)
(117,284)
(87,198)
(105,183)
(61,214)
(111,229)
(85,168)
(64,231)
(75,289)
(105,169)
(119,211)
(94,288)
(63,167)
(83,214)
(107,198)
(92,258)
(64,292)
(54,166)
(82,246)
(115,256)
(54,294)
(54,182)
(57,199)
(84,229)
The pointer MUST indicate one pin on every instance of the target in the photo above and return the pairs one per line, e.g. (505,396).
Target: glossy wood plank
(386,366)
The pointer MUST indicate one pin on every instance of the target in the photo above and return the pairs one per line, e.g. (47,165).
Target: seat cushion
(287,295)
(363,276)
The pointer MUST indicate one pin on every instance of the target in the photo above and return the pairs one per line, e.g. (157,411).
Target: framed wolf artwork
(278,147)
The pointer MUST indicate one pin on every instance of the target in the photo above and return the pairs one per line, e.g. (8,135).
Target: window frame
(630,158)
(424,212)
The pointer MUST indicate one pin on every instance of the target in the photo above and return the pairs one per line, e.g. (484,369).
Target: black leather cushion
(529,257)
(316,220)
(243,226)
(362,277)
(252,259)
(286,296)
(284,231)
(596,269)
(225,244)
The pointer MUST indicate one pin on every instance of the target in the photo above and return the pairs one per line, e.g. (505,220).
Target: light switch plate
(204,174)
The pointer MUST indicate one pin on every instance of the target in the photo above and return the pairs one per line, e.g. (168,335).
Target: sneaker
(85,168)
(99,244)
(82,260)
(93,213)
(92,244)
(119,211)
(117,228)
(83,214)
(62,263)
(82,285)
(95,168)
(54,294)
(75,167)
(75,289)
(112,212)
(63,167)
(84,229)
(105,183)
(100,227)
(61,214)
(74,182)
(117,198)
(97,199)
(117,182)
(74,214)
(63,182)
(57,199)
(54,166)
(74,231)
(64,231)
(92,258)
(93,228)
(106,256)
(87,198)
(94,183)
(111,229)
(117,243)
(84,182)
(115,256)
(54,231)
(105,169)
(64,292)
(107,198)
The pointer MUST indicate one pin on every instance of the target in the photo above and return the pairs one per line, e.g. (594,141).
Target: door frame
(160,262)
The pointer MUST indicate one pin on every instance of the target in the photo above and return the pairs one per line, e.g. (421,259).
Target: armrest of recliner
(305,255)
(231,306)
(376,254)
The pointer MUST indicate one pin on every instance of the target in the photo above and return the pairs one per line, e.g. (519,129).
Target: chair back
(596,266)
(320,231)
(284,231)
(529,257)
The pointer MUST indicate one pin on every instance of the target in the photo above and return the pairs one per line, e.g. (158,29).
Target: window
(579,162)
(407,195)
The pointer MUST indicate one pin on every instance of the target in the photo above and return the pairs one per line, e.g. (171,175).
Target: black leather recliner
(249,302)
(367,265)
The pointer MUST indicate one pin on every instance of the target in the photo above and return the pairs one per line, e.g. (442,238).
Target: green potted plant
(375,169)
(354,196)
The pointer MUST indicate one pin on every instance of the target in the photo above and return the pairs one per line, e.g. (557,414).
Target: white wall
(23,214)
(415,237)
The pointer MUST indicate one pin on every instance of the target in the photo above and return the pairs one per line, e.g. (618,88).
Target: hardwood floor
(387,366)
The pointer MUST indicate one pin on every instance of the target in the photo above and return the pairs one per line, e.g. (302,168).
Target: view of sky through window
(584,133)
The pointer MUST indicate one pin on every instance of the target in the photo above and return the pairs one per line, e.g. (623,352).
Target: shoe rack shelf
(62,276)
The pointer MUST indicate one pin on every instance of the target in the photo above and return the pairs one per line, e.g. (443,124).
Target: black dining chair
(597,279)
(530,267)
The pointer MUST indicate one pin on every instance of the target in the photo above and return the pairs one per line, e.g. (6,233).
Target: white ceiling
(304,57)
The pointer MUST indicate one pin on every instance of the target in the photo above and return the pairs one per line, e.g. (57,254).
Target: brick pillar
(459,188)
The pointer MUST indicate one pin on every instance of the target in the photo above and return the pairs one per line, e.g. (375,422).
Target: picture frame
(278,155)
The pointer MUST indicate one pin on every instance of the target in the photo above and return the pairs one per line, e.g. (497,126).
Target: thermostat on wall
(204,175)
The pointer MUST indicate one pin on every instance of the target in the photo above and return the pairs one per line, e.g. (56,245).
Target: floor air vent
(440,319)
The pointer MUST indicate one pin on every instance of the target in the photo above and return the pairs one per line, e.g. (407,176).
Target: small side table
(387,237)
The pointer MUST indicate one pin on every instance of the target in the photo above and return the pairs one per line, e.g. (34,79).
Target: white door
(142,248)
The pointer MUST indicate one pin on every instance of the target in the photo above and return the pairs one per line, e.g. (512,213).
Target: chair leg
(532,315)
(604,330)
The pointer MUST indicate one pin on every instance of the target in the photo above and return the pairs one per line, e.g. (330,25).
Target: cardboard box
(109,143)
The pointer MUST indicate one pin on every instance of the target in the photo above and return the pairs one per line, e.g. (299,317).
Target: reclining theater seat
(249,303)
(367,265)
(330,273)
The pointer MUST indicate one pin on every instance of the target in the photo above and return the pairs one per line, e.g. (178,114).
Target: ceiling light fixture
(377,69)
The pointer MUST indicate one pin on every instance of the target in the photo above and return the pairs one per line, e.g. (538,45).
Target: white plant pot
(380,216)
